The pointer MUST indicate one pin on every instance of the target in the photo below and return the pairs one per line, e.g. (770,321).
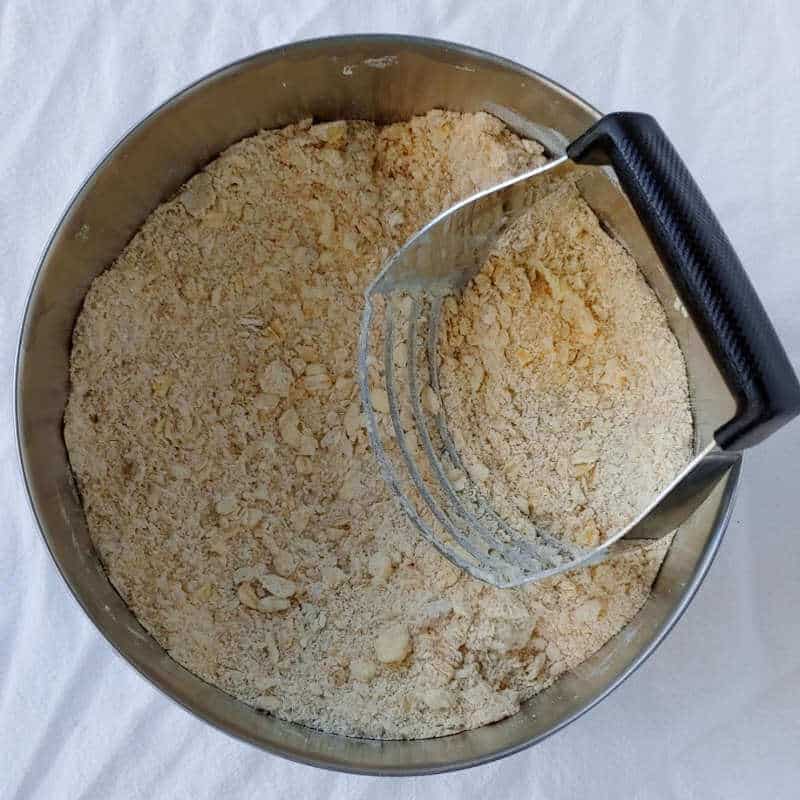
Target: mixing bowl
(380,78)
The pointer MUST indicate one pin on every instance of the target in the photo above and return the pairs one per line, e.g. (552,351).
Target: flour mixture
(564,384)
(215,430)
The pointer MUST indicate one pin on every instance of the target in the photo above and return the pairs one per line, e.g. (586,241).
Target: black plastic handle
(705,269)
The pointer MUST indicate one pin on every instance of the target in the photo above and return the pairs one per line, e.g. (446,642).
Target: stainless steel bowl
(381,78)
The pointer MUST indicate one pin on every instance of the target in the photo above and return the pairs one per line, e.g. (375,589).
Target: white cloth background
(716,712)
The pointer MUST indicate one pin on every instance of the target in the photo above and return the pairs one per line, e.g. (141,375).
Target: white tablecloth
(716,712)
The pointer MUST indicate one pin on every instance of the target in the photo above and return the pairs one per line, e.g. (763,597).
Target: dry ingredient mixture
(215,430)
(561,378)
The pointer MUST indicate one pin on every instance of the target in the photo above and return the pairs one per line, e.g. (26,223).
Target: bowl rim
(704,560)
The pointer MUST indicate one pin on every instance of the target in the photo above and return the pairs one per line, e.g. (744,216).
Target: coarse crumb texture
(215,430)
(562,382)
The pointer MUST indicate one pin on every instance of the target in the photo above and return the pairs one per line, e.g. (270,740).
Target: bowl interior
(381,78)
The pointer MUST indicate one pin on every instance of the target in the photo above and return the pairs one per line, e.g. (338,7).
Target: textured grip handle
(705,269)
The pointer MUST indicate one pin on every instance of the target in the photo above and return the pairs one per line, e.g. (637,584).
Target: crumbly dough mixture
(215,431)
(565,385)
